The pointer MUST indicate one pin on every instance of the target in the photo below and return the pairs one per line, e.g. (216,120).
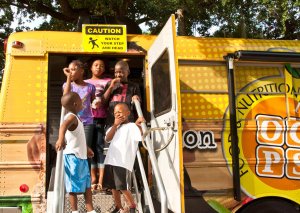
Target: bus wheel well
(270,204)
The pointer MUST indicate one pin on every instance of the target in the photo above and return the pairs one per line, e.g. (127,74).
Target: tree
(234,18)
(270,19)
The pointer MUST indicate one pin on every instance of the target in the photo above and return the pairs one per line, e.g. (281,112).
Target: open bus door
(165,111)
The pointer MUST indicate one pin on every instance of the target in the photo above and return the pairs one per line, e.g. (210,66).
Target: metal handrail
(59,193)
(160,185)
(145,182)
(154,129)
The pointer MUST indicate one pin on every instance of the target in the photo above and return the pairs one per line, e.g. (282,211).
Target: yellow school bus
(222,112)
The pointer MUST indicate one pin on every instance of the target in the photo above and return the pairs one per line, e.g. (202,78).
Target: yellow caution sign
(104,38)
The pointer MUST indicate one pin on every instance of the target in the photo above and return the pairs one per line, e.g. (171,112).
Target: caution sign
(104,38)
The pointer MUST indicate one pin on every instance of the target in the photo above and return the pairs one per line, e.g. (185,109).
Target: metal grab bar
(154,129)
(59,193)
(161,188)
(145,182)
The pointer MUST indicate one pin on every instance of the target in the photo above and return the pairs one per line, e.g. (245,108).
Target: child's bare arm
(110,135)
(110,89)
(60,143)
(67,73)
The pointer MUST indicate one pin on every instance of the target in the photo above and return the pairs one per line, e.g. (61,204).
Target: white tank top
(76,142)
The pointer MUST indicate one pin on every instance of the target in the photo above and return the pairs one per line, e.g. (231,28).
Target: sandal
(108,191)
(94,188)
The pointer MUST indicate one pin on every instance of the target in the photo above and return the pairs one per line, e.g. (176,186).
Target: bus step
(103,203)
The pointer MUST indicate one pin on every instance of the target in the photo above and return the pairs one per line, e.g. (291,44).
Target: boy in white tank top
(77,175)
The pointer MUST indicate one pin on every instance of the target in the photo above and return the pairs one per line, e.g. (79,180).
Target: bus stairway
(102,202)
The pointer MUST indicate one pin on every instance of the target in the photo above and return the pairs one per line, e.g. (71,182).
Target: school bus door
(165,111)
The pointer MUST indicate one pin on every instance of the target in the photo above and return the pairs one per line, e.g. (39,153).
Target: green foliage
(276,19)
(13,201)
(218,206)
(268,19)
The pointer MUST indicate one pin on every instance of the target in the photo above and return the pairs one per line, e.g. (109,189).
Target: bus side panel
(23,110)
(204,101)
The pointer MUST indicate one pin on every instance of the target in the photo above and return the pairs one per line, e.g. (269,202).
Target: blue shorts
(77,174)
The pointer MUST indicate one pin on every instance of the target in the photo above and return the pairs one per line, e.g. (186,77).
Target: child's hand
(119,120)
(139,121)
(60,144)
(67,71)
(135,97)
(90,152)
(96,104)
(115,83)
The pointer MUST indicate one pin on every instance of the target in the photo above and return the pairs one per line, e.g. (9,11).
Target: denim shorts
(89,134)
(99,157)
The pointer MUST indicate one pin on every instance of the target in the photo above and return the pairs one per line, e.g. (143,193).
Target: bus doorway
(56,79)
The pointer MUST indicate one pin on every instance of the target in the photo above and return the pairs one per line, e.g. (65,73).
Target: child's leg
(100,149)
(94,170)
(117,198)
(88,200)
(101,173)
(73,201)
(129,198)
(94,174)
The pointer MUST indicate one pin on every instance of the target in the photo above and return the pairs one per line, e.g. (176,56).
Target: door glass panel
(161,85)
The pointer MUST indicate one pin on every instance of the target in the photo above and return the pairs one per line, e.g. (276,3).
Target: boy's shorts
(77,174)
(116,177)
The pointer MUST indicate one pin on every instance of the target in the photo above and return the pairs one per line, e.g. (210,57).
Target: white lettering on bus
(201,140)
(278,140)
(270,158)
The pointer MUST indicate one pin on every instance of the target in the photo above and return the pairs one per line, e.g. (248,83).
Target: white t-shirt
(123,147)
(76,142)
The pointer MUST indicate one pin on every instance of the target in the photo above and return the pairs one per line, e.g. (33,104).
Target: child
(77,176)
(86,91)
(120,90)
(123,137)
(99,113)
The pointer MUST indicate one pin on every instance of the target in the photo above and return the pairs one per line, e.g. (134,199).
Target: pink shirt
(100,85)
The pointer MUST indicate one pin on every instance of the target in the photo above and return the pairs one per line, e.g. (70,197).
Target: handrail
(59,194)
(154,129)
(145,182)
(160,185)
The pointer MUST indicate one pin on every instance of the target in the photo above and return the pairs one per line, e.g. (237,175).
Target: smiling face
(98,68)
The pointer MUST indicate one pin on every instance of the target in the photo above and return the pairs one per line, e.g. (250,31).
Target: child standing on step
(124,137)
(77,174)
(99,110)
